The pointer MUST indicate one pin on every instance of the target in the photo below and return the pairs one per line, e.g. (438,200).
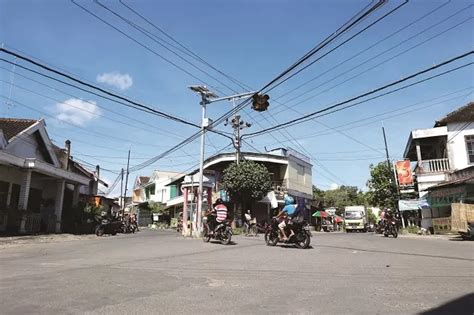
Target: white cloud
(334,186)
(116,79)
(76,111)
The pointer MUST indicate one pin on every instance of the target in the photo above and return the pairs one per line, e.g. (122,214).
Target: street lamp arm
(228,98)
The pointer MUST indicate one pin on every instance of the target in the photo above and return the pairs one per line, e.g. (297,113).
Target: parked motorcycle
(391,228)
(222,232)
(108,226)
(301,239)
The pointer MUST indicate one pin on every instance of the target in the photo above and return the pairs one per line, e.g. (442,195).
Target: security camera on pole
(207,97)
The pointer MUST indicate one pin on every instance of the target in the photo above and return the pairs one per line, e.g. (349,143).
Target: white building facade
(439,151)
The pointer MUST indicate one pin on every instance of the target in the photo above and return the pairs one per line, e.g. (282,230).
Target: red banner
(404,174)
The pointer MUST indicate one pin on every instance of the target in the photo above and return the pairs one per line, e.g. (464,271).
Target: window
(470,148)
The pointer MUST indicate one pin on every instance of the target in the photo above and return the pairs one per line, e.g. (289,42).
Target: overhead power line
(343,43)
(94,87)
(429,69)
(288,70)
(364,50)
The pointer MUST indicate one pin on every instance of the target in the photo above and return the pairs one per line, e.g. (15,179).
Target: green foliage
(383,192)
(318,195)
(247,181)
(156,207)
(91,212)
(343,196)
(371,217)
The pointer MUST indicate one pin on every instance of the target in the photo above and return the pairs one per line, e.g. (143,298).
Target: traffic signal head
(260,102)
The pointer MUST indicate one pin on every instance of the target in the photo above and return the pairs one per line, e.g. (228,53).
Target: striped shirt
(221,212)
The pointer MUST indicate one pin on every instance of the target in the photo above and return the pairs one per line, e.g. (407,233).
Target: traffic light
(260,102)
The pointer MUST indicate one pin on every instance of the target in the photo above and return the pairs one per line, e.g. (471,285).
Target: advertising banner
(404,173)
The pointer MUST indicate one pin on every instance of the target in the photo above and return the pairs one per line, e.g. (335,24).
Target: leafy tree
(247,181)
(318,195)
(383,192)
(156,207)
(371,217)
(341,197)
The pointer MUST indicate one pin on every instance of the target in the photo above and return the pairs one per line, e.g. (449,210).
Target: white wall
(457,150)
(299,176)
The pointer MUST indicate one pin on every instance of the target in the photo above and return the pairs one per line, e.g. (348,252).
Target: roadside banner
(404,173)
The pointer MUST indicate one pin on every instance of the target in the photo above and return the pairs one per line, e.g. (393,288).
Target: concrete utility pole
(126,181)
(121,190)
(394,174)
(207,97)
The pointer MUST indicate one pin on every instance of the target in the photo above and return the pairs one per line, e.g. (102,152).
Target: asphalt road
(159,272)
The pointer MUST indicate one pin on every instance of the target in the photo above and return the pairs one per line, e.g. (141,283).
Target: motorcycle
(301,238)
(391,228)
(108,226)
(379,228)
(222,232)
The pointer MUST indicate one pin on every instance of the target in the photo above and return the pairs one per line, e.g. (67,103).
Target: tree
(318,195)
(341,197)
(371,217)
(383,192)
(156,207)
(247,181)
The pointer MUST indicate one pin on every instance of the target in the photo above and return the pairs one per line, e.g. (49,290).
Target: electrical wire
(339,104)
(143,107)
(365,49)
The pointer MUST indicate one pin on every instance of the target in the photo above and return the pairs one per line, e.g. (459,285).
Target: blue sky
(251,41)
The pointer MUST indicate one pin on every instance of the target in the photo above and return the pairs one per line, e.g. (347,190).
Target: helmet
(289,200)
(219,202)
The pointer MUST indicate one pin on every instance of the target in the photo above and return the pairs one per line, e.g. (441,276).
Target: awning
(409,205)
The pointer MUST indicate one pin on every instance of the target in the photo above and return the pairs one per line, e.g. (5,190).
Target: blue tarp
(412,204)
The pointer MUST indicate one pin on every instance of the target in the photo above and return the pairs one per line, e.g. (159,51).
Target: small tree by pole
(383,193)
(246,181)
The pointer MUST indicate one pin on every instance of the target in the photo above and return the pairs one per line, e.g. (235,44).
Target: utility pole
(394,174)
(121,191)
(386,147)
(126,180)
(207,97)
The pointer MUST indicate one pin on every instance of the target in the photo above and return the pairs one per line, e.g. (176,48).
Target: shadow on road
(460,306)
(218,242)
(395,253)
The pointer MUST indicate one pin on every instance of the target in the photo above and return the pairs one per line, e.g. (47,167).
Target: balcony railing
(433,166)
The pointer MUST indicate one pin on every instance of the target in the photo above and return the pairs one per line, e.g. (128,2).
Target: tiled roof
(464,113)
(13,126)
(144,179)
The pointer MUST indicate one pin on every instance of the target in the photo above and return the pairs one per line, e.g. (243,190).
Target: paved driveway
(160,272)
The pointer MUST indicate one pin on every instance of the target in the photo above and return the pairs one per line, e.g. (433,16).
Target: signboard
(446,196)
(404,173)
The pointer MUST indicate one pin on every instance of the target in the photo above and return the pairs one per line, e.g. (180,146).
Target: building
(37,178)
(155,188)
(439,152)
(290,171)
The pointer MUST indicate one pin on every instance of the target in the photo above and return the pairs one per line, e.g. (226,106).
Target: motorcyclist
(217,215)
(285,214)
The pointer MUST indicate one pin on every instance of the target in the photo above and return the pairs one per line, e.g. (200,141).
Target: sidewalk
(446,237)
(13,241)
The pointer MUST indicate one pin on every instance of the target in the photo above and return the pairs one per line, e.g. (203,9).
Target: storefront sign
(445,197)
(404,173)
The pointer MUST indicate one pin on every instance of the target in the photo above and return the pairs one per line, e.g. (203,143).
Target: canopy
(320,214)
